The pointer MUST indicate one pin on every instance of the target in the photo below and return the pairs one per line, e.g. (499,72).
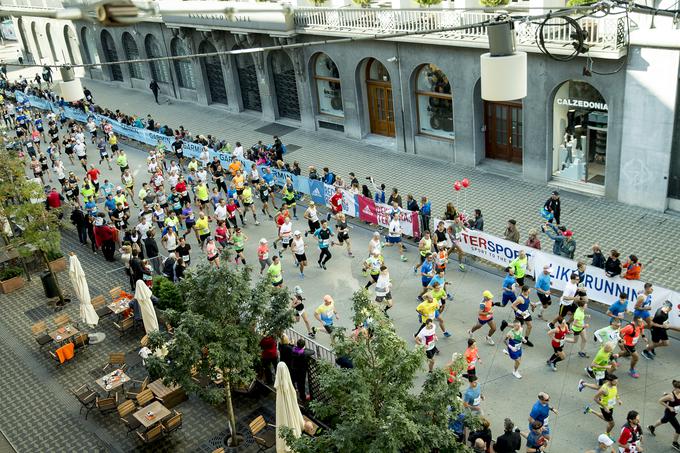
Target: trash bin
(49,284)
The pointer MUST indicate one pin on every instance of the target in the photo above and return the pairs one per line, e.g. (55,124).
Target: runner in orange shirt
(485,316)
(471,357)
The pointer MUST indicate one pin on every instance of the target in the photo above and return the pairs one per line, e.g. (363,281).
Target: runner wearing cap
(543,290)
(567,305)
(383,289)
(296,303)
(604,445)
(375,244)
(298,246)
(263,255)
(485,316)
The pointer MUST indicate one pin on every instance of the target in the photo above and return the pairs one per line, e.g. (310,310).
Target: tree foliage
(373,407)
(217,337)
(428,3)
(493,3)
(168,294)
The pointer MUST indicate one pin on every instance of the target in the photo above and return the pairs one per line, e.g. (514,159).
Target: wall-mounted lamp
(504,71)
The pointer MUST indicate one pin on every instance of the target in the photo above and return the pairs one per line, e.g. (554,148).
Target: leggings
(324,256)
(672,418)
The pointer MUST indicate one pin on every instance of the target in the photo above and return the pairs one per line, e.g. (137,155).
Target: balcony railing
(604,33)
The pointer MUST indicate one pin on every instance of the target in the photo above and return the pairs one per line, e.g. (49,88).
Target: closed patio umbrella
(143,296)
(287,409)
(88,315)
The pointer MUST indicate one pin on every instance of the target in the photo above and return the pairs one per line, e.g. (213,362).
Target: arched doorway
(247,80)
(50,41)
(110,55)
(379,96)
(159,69)
(25,47)
(70,40)
(36,41)
(183,68)
(285,85)
(132,53)
(90,48)
(213,72)
(434,101)
(580,120)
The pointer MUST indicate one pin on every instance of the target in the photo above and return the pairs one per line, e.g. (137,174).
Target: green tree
(22,202)
(168,294)
(493,3)
(219,333)
(428,3)
(373,407)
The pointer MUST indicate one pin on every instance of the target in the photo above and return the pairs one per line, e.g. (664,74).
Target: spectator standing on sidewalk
(598,259)
(477,222)
(533,240)
(425,213)
(553,207)
(632,267)
(612,267)
(564,245)
(153,86)
(395,198)
(511,232)
(151,248)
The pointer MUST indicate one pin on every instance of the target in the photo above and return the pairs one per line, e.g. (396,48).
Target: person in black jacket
(153,86)
(510,441)
(597,257)
(300,362)
(553,206)
(151,248)
(612,267)
(169,267)
(136,269)
(80,221)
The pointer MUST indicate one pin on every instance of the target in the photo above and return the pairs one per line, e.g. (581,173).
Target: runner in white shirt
(80,136)
(285,234)
(428,337)
(204,157)
(143,227)
(298,247)
(221,210)
(383,289)
(394,235)
(567,305)
(375,245)
(202,175)
(238,151)
(312,217)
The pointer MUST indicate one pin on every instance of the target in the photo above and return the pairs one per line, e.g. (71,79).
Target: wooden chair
(265,438)
(117,360)
(86,397)
(152,435)
(106,405)
(99,304)
(125,325)
(39,330)
(125,411)
(173,423)
(137,389)
(144,397)
(62,320)
(115,292)
(81,341)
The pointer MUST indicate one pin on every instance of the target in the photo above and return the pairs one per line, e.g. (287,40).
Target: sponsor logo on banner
(316,191)
(407,219)
(367,210)
(349,203)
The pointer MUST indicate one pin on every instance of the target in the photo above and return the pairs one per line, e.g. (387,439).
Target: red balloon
(465,182)
(457,186)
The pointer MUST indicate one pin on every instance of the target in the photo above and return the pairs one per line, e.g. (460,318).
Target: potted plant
(362,3)
(11,279)
(56,260)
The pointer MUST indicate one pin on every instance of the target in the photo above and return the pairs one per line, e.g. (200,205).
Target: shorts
(342,237)
(565,309)
(387,296)
(247,205)
(472,372)
(425,282)
(508,297)
(545,299)
(328,328)
(264,198)
(431,352)
(300,258)
(279,283)
(393,239)
(375,277)
(285,244)
(659,334)
(239,192)
(484,321)
(576,333)
(629,349)
(515,355)
(300,309)
(644,314)
(557,349)
(114,148)
(213,258)
(520,281)
(607,415)
(522,319)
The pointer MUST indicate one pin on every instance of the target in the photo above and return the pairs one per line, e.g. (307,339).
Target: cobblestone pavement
(631,230)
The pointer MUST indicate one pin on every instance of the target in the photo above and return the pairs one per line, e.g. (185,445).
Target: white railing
(604,33)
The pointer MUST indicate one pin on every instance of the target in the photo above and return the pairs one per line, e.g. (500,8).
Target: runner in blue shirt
(509,284)
(540,413)
(618,308)
(426,274)
(543,289)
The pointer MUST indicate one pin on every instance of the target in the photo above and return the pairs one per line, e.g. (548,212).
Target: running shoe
(257,223)
(415,270)
(581,385)
(517,375)
(461,266)
(587,410)
(449,297)
(447,334)
(590,372)
(647,355)
(634,374)
(489,341)
(529,343)
(553,366)
(469,332)
(504,324)
(403,258)
(653,352)
(582,354)
(505,351)
(311,335)
(652,430)
(676,446)
(302,276)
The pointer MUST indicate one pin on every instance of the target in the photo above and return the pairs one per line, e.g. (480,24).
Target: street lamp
(504,71)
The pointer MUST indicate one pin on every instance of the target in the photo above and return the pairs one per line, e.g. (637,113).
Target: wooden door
(504,131)
(381,108)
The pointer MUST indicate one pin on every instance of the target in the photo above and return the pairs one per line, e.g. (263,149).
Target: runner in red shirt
(630,439)
(94,173)
(629,338)
(336,203)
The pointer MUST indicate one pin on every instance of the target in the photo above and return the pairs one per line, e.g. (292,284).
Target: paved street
(506,396)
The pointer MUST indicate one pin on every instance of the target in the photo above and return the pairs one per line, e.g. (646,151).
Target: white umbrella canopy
(143,296)
(287,409)
(88,315)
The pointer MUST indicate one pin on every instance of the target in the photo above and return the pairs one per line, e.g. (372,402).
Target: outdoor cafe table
(112,381)
(119,305)
(157,409)
(64,333)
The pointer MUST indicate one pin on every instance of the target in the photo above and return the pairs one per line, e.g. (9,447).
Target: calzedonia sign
(583,104)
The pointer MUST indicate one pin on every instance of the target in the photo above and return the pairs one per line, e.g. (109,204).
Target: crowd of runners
(155,217)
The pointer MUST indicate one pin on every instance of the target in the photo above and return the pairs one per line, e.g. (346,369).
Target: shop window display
(435,102)
(580,116)
(329,92)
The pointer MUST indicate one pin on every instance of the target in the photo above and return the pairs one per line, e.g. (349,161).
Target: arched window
(34,32)
(132,53)
(91,55)
(159,69)
(111,55)
(285,85)
(183,68)
(50,41)
(70,40)
(327,78)
(247,80)
(435,102)
(24,41)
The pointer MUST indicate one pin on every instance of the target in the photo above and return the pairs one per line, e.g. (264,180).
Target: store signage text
(583,104)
